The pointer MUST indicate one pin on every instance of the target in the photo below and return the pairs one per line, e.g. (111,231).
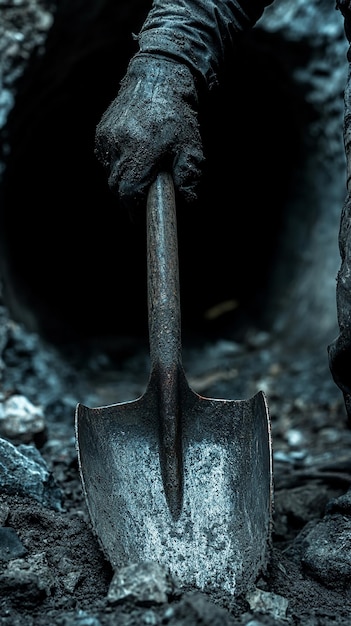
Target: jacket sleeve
(199,33)
(344,7)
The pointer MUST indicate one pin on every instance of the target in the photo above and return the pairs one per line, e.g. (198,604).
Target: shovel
(174,477)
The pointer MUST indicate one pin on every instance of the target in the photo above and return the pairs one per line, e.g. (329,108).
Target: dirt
(52,568)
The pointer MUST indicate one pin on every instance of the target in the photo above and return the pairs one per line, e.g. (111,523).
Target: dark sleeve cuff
(198,33)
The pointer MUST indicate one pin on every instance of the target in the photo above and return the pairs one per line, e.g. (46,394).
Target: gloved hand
(153,122)
(151,125)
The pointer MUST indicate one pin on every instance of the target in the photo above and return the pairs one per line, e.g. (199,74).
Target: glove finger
(105,148)
(130,177)
(187,172)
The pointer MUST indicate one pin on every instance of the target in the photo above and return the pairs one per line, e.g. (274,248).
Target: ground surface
(52,570)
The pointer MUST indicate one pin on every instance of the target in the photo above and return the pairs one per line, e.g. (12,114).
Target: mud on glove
(152,124)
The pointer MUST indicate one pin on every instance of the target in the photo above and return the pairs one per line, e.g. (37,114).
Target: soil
(52,568)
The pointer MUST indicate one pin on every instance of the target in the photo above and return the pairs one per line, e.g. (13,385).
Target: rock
(28,579)
(195,609)
(23,471)
(325,551)
(145,583)
(11,546)
(20,419)
(267,603)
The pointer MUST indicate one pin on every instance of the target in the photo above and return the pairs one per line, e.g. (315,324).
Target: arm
(198,34)
(339,350)
(153,122)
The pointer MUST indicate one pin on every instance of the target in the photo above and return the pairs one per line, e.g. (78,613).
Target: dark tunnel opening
(74,263)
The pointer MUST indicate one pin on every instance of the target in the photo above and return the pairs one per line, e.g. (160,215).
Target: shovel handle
(164,334)
(163,275)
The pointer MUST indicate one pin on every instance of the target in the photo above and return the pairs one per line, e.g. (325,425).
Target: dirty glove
(151,125)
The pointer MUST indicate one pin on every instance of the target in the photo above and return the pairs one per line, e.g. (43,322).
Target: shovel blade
(221,539)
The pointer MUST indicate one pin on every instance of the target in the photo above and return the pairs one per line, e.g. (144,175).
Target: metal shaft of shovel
(164,332)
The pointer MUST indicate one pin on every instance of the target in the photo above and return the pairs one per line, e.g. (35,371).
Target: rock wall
(264,233)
